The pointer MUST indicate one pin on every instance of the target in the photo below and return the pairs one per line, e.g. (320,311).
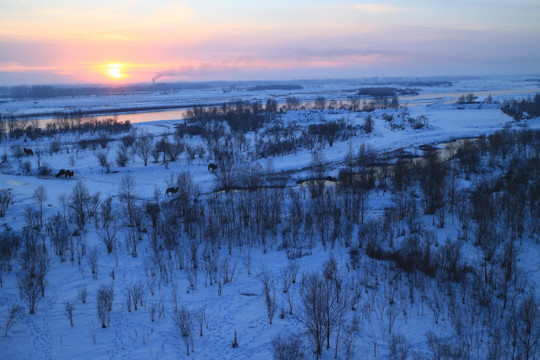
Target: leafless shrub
(6,199)
(79,201)
(227,271)
(288,348)
(15,313)
(351,331)
(93,333)
(83,293)
(93,262)
(104,161)
(17,151)
(399,347)
(443,349)
(26,166)
(143,147)
(54,147)
(105,297)
(122,155)
(246,260)
(107,235)
(136,293)
(292,270)
(29,289)
(202,318)
(183,320)
(44,169)
(69,307)
(435,304)
(150,272)
(269,294)
(311,311)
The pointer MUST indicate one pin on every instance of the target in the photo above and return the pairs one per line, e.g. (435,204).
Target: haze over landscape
(100,41)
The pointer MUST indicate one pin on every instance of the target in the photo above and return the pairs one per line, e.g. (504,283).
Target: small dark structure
(212,166)
(28,152)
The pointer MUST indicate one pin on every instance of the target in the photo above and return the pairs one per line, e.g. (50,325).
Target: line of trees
(240,116)
(14,127)
(524,109)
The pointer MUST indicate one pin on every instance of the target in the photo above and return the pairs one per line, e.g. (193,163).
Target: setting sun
(116,71)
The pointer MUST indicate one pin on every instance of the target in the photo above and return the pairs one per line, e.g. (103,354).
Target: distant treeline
(405,82)
(385,92)
(50,91)
(524,109)
(239,115)
(275,87)
(14,127)
(428,83)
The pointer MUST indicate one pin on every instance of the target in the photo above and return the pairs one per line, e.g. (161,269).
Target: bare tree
(69,307)
(108,237)
(435,304)
(226,157)
(83,293)
(443,349)
(108,225)
(29,290)
(105,297)
(104,161)
(15,313)
(187,193)
(41,269)
(60,235)
(201,318)
(40,195)
(269,294)
(529,328)
(334,304)
(368,124)
(128,196)
(143,147)
(79,202)
(122,155)
(93,262)
(136,294)
(183,320)
(351,331)
(433,182)
(399,347)
(6,199)
(311,311)
(317,174)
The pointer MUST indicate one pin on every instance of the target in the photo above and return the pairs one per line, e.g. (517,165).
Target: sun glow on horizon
(116,70)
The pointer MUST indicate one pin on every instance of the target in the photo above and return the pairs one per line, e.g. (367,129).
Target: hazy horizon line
(276,81)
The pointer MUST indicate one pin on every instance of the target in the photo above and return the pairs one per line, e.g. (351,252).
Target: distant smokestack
(171,72)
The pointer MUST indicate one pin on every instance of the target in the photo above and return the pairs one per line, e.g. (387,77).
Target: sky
(128,41)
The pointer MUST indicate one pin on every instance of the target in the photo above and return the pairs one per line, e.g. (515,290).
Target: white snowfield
(240,308)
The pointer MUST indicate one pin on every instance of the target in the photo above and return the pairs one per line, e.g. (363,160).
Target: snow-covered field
(237,306)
